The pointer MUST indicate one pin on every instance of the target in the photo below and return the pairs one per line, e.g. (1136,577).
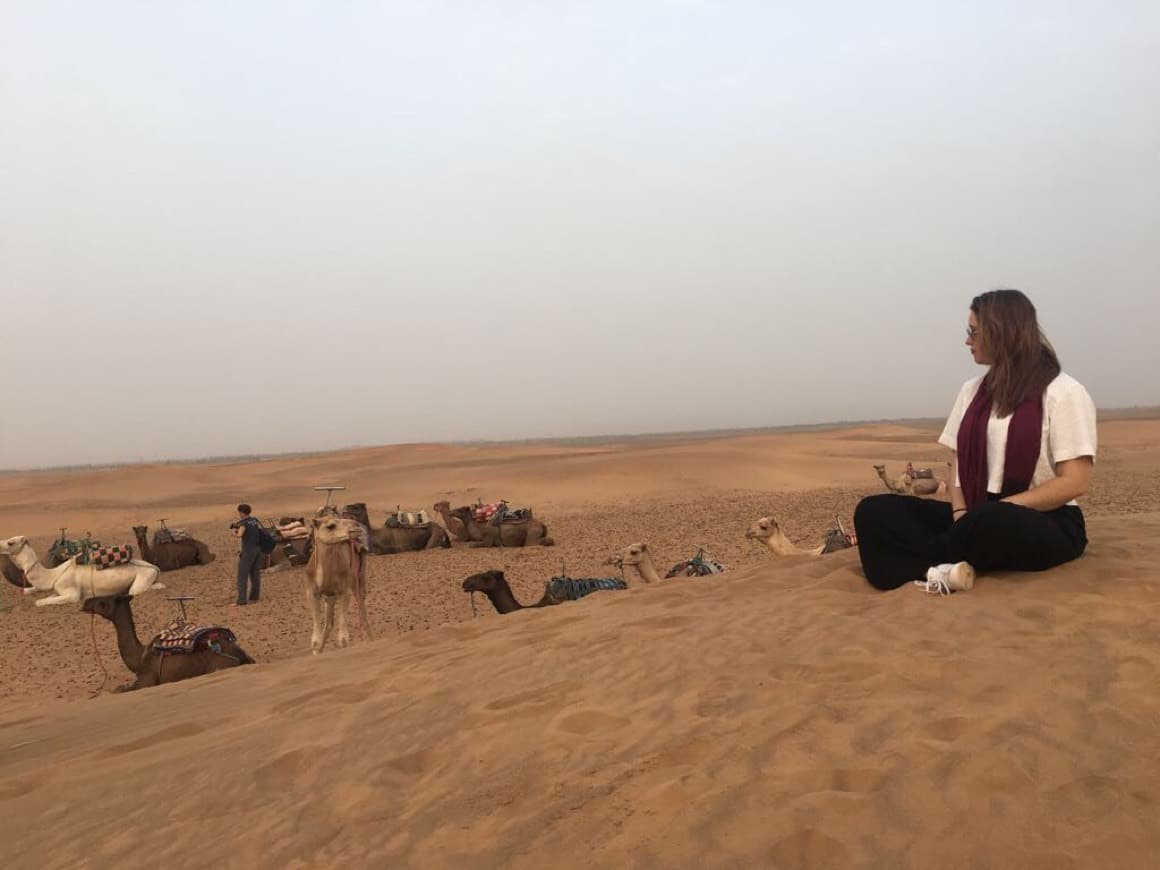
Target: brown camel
(13,574)
(454,524)
(395,538)
(769,533)
(334,573)
(215,650)
(520,533)
(171,555)
(495,586)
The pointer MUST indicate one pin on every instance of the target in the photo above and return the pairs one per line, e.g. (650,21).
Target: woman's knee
(873,506)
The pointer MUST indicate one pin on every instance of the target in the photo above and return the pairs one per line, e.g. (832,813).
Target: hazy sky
(235,227)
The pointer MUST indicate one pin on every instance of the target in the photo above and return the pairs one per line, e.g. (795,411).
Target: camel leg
(144,581)
(73,597)
(313,599)
(328,621)
(341,604)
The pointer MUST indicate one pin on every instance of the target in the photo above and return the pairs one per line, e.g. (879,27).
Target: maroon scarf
(1023,442)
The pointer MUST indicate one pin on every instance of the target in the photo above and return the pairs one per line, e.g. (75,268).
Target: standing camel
(213,648)
(73,583)
(335,572)
(171,555)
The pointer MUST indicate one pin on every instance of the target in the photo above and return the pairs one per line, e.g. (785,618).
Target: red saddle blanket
(186,637)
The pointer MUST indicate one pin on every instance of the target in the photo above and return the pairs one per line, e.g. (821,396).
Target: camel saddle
(81,550)
(698,566)
(575,588)
(169,536)
(409,520)
(106,557)
(498,512)
(187,637)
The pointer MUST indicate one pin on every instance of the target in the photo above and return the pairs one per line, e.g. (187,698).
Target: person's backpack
(266,541)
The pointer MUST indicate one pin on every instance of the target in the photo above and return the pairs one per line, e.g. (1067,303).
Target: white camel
(638,557)
(73,583)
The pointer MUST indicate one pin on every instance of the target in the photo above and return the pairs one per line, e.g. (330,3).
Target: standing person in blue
(1024,442)
(250,558)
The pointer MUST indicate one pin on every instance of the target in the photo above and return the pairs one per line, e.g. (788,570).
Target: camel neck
(127,643)
(647,571)
(40,577)
(503,600)
(143,543)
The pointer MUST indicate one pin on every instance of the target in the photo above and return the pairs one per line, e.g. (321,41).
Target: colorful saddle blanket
(186,637)
(105,557)
(575,588)
(698,566)
(484,512)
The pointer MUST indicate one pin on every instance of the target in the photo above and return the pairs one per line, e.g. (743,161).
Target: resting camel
(171,555)
(12,573)
(495,586)
(454,524)
(73,583)
(396,538)
(215,650)
(520,533)
(639,558)
(556,591)
(334,572)
(908,483)
(769,533)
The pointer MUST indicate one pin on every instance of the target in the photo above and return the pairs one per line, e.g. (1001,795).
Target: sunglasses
(972,332)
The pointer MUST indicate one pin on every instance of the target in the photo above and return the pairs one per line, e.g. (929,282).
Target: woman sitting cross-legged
(1024,436)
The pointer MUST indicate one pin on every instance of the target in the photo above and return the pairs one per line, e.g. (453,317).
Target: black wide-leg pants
(900,536)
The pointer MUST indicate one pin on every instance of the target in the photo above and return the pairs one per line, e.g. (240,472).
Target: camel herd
(335,546)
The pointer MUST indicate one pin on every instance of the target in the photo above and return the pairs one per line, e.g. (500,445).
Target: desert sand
(783,714)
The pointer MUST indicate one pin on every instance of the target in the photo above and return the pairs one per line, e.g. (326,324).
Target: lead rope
(358,563)
(97,653)
(472,596)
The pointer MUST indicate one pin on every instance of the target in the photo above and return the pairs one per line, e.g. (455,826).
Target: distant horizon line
(1141,412)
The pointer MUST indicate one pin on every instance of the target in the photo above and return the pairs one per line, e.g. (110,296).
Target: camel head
(140,531)
(631,555)
(764,529)
(881,469)
(105,605)
(441,506)
(12,546)
(485,582)
(334,530)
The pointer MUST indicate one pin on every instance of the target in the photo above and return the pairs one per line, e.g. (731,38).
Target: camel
(911,482)
(521,533)
(394,538)
(556,591)
(495,586)
(13,574)
(334,572)
(769,533)
(215,648)
(174,554)
(639,557)
(453,523)
(74,583)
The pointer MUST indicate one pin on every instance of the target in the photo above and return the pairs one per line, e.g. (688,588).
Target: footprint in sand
(808,848)
(283,770)
(589,721)
(531,700)
(349,693)
(177,732)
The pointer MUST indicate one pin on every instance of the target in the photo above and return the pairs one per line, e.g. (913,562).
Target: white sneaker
(947,578)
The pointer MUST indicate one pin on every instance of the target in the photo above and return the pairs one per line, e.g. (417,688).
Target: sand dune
(780,715)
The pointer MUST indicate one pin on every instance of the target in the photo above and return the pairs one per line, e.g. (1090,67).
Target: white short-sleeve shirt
(1069,429)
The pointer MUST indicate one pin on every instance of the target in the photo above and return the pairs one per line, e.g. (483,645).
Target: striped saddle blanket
(575,588)
(185,637)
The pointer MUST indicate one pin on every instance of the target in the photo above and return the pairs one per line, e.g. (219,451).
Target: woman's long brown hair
(1023,362)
